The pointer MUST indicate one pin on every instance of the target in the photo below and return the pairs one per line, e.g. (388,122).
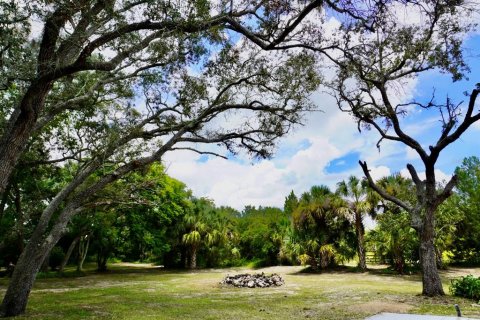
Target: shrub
(468,287)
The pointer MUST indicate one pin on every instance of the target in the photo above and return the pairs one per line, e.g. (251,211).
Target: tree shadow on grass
(412,275)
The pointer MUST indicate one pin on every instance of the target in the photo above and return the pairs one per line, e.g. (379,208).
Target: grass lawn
(143,292)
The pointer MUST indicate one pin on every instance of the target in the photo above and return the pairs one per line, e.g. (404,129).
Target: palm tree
(193,240)
(319,221)
(195,230)
(360,202)
(394,225)
(204,227)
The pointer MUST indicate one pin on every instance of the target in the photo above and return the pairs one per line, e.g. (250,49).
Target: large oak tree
(370,69)
(109,87)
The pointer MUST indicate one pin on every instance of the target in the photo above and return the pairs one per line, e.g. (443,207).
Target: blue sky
(327,148)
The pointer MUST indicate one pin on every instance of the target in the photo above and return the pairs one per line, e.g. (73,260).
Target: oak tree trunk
(23,277)
(19,129)
(35,253)
(432,284)
(4,200)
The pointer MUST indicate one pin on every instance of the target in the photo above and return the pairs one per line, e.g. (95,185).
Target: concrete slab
(402,316)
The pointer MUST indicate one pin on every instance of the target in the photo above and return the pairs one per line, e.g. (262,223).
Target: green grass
(138,292)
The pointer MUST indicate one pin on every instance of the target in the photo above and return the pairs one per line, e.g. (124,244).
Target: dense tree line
(151,217)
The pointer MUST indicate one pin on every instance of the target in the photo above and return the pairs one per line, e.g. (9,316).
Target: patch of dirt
(374,307)
(280,269)
(138,265)
(90,285)
(454,272)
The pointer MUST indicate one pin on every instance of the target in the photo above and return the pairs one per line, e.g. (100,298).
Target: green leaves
(192,238)
(321,227)
(464,209)
(263,233)
(467,286)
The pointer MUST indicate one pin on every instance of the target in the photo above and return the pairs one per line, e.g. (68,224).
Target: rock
(259,280)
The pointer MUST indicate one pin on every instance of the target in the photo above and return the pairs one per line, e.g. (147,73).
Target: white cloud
(331,135)
(379,172)
(265,183)
(440,176)
(476,125)
(411,154)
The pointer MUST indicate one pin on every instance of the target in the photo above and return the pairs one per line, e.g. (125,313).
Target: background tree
(321,229)
(197,230)
(131,218)
(393,239)
(369,67)
(208,234)
(466,243)
(223,249)
(355,191)
(290,204)
(262,232)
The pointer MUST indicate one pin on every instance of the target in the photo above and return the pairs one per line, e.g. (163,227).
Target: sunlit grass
(140,292)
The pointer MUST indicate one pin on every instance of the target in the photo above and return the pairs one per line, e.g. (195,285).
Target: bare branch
(234,25)
(392,115)
(444,141)
(200,152)
(380,191)
(448,190)
(415,178)
(33,163)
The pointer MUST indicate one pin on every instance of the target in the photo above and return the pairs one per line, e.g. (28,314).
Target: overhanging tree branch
(380,191)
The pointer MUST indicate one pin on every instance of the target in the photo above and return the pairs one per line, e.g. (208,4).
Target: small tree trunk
(432,284)
(193,258)
(438,254)
(324,261)
(313,261)
(69,253)
(82,252)
(3,203)
(102,258)
(360,232)
(183,259)
(398,259)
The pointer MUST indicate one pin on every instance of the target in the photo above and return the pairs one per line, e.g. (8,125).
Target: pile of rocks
(259,280)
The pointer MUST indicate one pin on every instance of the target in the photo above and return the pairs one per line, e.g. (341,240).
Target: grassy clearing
(142,292)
